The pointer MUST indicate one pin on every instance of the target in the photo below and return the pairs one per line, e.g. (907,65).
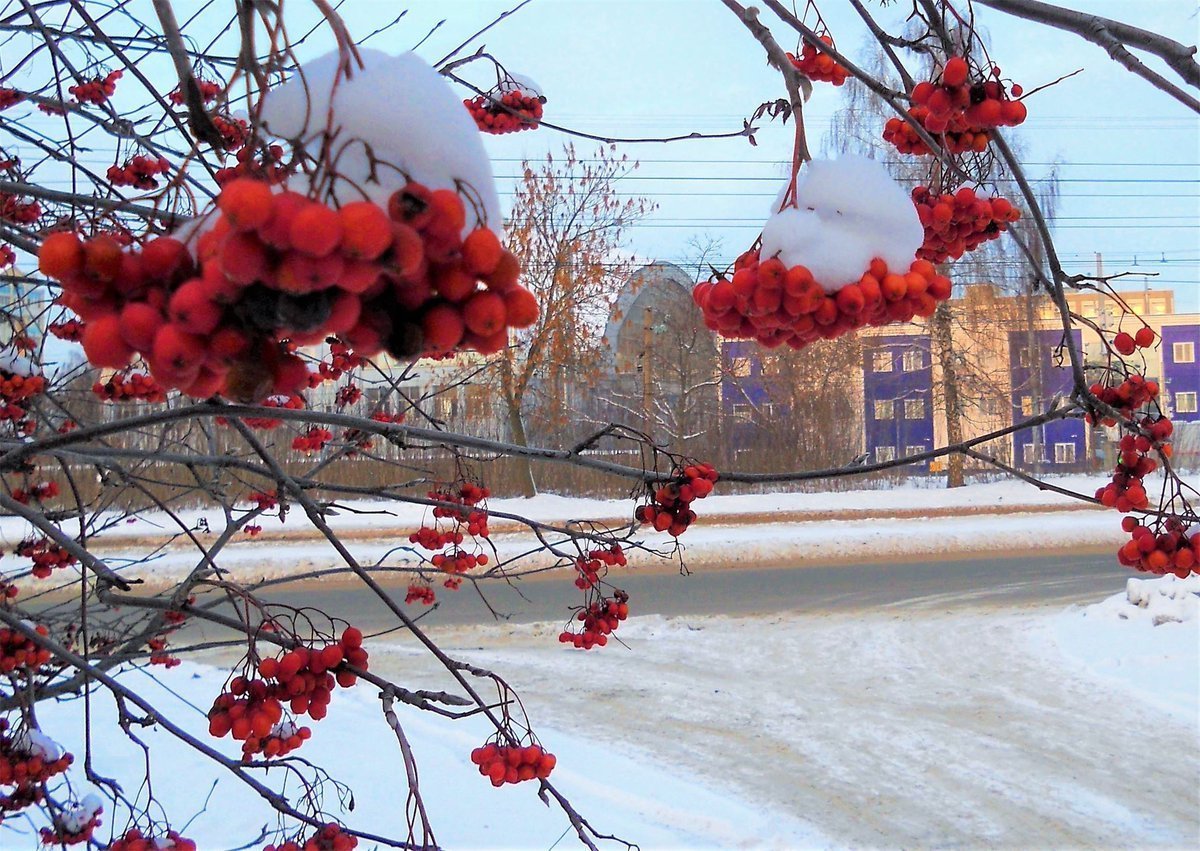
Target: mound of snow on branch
(34,742)
(393,119)
(848,211)
(520,83)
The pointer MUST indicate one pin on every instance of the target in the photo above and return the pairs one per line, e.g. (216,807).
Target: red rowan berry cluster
(235,132)
(135,840)
(252,709)
(509,112)
(341,360)
(594,566)
(140,172)
(290,401)
(959,110)
(348,395)
(598,620)
(512,763)
(71,330)
(418,593)
(210,90)
(9,97)
(13,209)
(458,561)
(818,65)
(1167,548)
(770,303)
(46,556)
(264,501)
(252,529)
(329,838)
(669,510)
(15,390)
(98,89)
(7,256)
(1126,343)
(433,538)
(959,222)
(265,165)
(1127,397)
(468,496)
(314,439)
(279,266)
(40,492)
(74,824)
(467,517)
(159,655)
(1126,492)
(130,387)
(28,758)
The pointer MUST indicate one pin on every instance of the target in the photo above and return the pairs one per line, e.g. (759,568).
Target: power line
(654,161)
(778,178)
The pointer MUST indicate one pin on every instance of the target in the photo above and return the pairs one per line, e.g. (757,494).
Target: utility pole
(647,356)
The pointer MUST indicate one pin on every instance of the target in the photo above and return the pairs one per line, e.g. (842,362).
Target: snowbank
(1146,640)
(654,806)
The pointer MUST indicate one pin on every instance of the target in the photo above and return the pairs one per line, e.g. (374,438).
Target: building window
(884,409)
(1089,309)
(741,367)
(1183,352)
(910,451)
(1185,403)
(1064,453)
(913,360)
(882,361)
(1024,356)
(1027,406)
(1158,305)
(914,409)
(742,411)
(1030,453)
(883,454)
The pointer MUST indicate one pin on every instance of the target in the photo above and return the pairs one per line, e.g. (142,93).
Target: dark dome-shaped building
(661,362)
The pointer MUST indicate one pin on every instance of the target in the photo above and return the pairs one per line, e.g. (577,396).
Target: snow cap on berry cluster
(76,819)
(400,109)
(17,364)
(520,83)
(848,211)
(34,742)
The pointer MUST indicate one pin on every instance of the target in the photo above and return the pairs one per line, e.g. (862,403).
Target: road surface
(947,585)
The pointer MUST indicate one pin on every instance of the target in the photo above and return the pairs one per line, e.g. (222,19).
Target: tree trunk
(943,341)
(524,467)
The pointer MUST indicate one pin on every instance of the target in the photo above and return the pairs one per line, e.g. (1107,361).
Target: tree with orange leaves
(566,227)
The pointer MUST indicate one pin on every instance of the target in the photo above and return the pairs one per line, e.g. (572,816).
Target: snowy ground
(731,530)
(907,727)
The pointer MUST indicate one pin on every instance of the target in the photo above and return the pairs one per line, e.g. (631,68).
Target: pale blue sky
(1131,175)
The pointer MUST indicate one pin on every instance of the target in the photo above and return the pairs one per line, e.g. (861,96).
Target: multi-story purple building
(1180,372)
(898,395)
(1038,374)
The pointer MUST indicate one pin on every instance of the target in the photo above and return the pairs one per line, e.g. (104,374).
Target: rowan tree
(260,226)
